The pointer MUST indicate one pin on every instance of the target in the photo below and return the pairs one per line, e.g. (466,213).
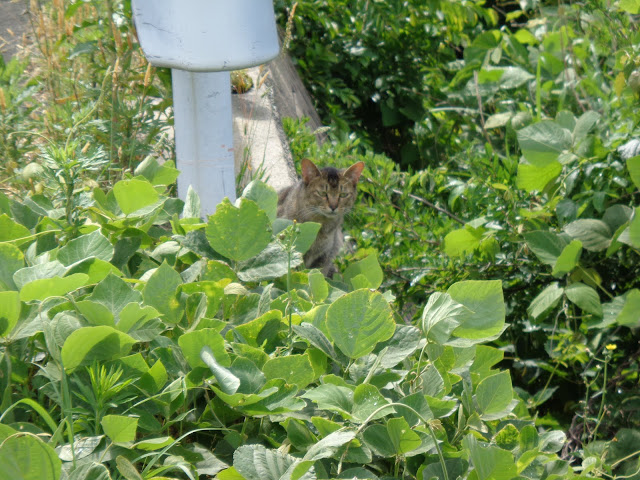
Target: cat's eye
(344,195)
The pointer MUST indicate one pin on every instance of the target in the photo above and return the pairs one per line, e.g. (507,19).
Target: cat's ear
(354,171)
(309,170)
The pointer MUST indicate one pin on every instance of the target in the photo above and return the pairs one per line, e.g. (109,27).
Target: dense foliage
(485,322)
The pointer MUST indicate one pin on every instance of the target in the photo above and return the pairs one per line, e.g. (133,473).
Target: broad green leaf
(584,125)
(307,233)
(584,297)
(264,328)
(39,272)
(568,259)
(595,235)
(10,230)
(332,397)
(405,340)
(161,293)
(508,437)
(88,344)
(456,468)
(490,462)
(327,447)
(545,301)
(93,244)
(228,382)
(630,6)
(543,142)
(403,439)
(11,260)
(127,469)
(440,317)
(485,312)
(120,428)
(553,441)
(51,287)
(152,444)
(193,342)
(238,233)
(191,204)
(629,314)
(486,357)
(458,243)
(293,369)
(546,245)
(114,293)
(532,178)
(96,269)
(134,194)
(270,263)
(26,457)
(367,400)
(9,311)
(265,197)
(255,462)
(318,286)
(90,471)
(155,378)
(377,438)
(634,229)
(369,268)
(318,339)
(633,165)
(95,313)
(141,323)
(358,321)
(494,394)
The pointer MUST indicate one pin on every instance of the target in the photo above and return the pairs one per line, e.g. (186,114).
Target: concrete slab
(260,145)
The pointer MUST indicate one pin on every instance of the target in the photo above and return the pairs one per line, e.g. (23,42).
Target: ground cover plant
(484,325)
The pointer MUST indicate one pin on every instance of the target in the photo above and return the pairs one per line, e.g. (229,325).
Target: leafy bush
(173,349)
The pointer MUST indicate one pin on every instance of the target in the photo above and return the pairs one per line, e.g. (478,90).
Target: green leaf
(369,268)
(485,312)
(95,313)
(26,457)
(377,438)
(458,243)
(11,260)
(328,446)
(10,230)
(265,197)
(293,369)
(568,259)
(228,382)
(88,344)
(161,293)
(39,272)
(238,233)
(9,311)
(114,293)
(51,287)
(191,204)
(90,471)
(634,229)
(192,344)
(120,428)
(633,163)
(141,323)
(584,125)
(440,317)
(358,321)
(405,340)
(490,462)
(134,194)
(367,399)
(403,439)
(546,245)
(543,142)
(595,235)
(332,397)
(127,469)
(255,462)
(532,178)
(318,286)
(630,6)
(630,312)
(93,244)
(270,263)
(545,301)
(584,297)
(456,468)
(307,233)
(96,269)
(494,394)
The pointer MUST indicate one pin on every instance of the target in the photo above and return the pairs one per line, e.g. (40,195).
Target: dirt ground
(14,22)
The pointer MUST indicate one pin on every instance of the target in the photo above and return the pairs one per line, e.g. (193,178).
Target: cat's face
(330,192)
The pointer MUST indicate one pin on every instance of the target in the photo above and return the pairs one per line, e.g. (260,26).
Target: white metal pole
(204,136)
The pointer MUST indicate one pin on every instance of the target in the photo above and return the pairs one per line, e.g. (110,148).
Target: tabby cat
(323,196)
